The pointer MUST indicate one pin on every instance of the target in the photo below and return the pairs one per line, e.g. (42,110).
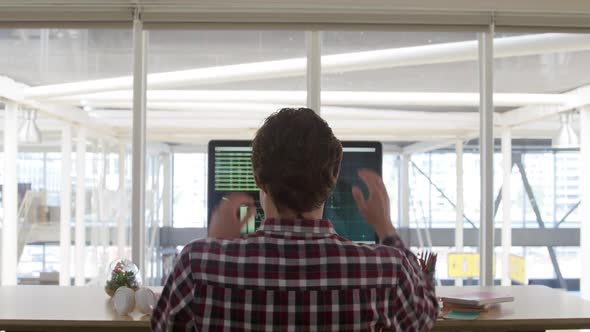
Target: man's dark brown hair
(296,158)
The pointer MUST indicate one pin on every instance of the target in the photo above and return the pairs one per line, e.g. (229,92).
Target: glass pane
(539,169)
(391,180)
(552,168)
(567,188)
(552,69)
(38,57)
(444,177)
(375,86)
(411,73)
(190,190)
(35,62)
(216,85)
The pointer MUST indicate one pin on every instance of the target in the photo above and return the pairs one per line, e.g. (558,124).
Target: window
(190,190)
(34,61)
(552,172)
(416,92)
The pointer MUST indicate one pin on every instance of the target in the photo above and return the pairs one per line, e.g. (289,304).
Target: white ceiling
(78,55)
(41,57)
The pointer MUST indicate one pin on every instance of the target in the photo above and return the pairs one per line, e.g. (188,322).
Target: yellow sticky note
(517,269)
(465,265)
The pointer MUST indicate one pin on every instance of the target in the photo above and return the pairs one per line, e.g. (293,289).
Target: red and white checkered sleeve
(173,311)
(415,303)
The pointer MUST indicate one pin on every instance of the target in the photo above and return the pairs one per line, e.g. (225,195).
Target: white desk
(54,308)
(535,308)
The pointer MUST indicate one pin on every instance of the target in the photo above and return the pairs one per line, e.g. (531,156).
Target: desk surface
(87,308)
(63,308)
(534,308)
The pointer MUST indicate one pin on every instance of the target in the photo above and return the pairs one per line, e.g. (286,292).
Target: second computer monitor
(230,170)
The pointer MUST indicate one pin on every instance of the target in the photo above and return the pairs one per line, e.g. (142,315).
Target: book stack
(471,304)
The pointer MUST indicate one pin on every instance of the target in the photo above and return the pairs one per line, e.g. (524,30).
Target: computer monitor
(230,170)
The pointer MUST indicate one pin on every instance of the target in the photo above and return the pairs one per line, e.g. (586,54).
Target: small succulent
(123,273)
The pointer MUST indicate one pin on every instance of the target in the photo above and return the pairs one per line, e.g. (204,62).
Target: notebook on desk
(477,299)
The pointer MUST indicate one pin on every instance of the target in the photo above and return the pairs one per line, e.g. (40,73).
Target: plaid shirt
(296,275)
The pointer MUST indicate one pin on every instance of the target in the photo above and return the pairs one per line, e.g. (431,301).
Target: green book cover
(461,315)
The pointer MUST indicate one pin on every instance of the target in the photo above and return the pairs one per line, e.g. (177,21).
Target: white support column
(65,214)
(10,197)
(404,191)
(100,200)
(80,228)
(94,209)
(506,204)
(460,209)
(585,218)
(122,213)
(486,145)
(167,192)
(314,70)
(139,138)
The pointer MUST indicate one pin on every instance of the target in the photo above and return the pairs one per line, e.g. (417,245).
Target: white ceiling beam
(389,147)
(401,131)
(329,98)
(173,125)
(359,113)
(526,114)
(110,114)
(13,91)
(193,124)
(338,63)
(422,147)
(579,97)
(346,98)
(220,107)
(192,138)
(76,117)
(336,117)
(242,111)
